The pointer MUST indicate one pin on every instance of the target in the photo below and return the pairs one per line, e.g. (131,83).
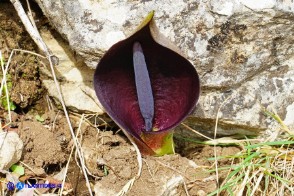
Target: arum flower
(147,88)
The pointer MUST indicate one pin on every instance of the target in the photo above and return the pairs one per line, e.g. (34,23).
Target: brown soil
(110,158)
(23,70)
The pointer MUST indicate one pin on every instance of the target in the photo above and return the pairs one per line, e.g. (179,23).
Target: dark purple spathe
(174,85)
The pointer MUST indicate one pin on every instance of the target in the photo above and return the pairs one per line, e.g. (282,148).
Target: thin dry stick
(5,71)
(3,83)
(214,137)
(149,170)
(66,169)
(53,60)
(228,173)
(34,33)
(30,15)
(185,188)
(196,131)
(82,162)
(130,183)
(257,183)
(139,156)
(8,63)
(50,106)
(6,88)
(245,180)
(28,167)
(29,52)
(54,121)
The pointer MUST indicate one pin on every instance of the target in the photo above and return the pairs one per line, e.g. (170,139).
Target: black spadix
(147,88)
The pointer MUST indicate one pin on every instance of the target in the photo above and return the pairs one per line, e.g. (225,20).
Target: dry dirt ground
(110,158)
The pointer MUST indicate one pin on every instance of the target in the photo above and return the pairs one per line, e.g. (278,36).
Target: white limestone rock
(74,77)
(11,149)
(242,49)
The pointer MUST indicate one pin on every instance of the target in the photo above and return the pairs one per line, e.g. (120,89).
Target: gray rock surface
(243,50)
(75,78)
(11,149)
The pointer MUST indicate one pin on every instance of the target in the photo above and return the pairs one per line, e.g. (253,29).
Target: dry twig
(53,60)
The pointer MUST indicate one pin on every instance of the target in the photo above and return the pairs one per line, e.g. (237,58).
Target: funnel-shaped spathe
(146,88)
